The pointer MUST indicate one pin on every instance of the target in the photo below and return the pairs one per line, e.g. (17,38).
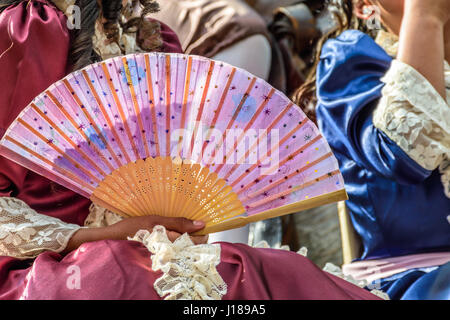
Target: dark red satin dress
(36,41)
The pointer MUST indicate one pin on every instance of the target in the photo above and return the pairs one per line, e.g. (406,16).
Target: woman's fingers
(180,225)
(172,235)
(200,239)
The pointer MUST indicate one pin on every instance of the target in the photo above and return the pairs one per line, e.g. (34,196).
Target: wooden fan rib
(264,157)
(141,173)
(219,185)
(112,190)
(175,173)
(247,153)
(194,203)
(145,165)
(236,113)
(168,102)
(109,194)
(152,103)
(142,169)
(219,108)
(184,106)
(152,164)
(247,127)
(189,190)
(218,198)
(131,186)
(120,190)
(121,112)
(328,198)
(54,147)
(296,153)
(281,180)
(137,110)
(107,118)
(167,181)
(92,123)
(182,186)
(62,171)
(289,158)
(123,107)
(78,128)
(232,211)
(228,208)
(294,189)
(107,205)
(202,106)
(163,184)
(64,135)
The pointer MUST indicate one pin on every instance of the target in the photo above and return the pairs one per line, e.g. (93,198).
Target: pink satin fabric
(112,269)
(122,270)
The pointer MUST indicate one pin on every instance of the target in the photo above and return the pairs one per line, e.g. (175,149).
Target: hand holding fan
(176,135)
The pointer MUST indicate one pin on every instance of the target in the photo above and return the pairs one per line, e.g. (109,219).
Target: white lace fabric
(100,217)
(189,271)
(414,115)
(24,233)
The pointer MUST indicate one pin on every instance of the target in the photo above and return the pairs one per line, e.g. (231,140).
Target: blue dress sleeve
(348,90)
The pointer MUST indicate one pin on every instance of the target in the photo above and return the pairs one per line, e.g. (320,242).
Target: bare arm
(128,228)
(422,39)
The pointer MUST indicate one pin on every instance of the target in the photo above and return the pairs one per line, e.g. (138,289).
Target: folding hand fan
(176,135)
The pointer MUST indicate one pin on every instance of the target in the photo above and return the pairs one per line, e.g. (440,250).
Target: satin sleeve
(349,88)
(34,46)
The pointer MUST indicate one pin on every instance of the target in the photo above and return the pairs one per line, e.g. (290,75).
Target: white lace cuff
(24,233)
(100,217)
(411,86)
(414,115)
(189,271)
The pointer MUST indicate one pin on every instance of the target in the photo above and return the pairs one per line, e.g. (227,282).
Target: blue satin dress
(396,206)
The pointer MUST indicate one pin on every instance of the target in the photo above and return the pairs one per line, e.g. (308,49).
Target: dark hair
(81,52)
(342,12)
(147,31)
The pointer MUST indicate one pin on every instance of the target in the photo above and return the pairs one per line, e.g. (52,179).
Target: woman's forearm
(86,235)
(422,43)
(126,228)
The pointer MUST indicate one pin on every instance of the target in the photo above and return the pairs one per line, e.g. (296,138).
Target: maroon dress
(34,41)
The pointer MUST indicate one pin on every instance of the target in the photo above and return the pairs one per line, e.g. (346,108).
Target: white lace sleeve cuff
(414,115)
(100,217)
(24,233)
(189,271)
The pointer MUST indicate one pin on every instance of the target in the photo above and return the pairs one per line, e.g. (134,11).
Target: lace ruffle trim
(416,117)
(189,271)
